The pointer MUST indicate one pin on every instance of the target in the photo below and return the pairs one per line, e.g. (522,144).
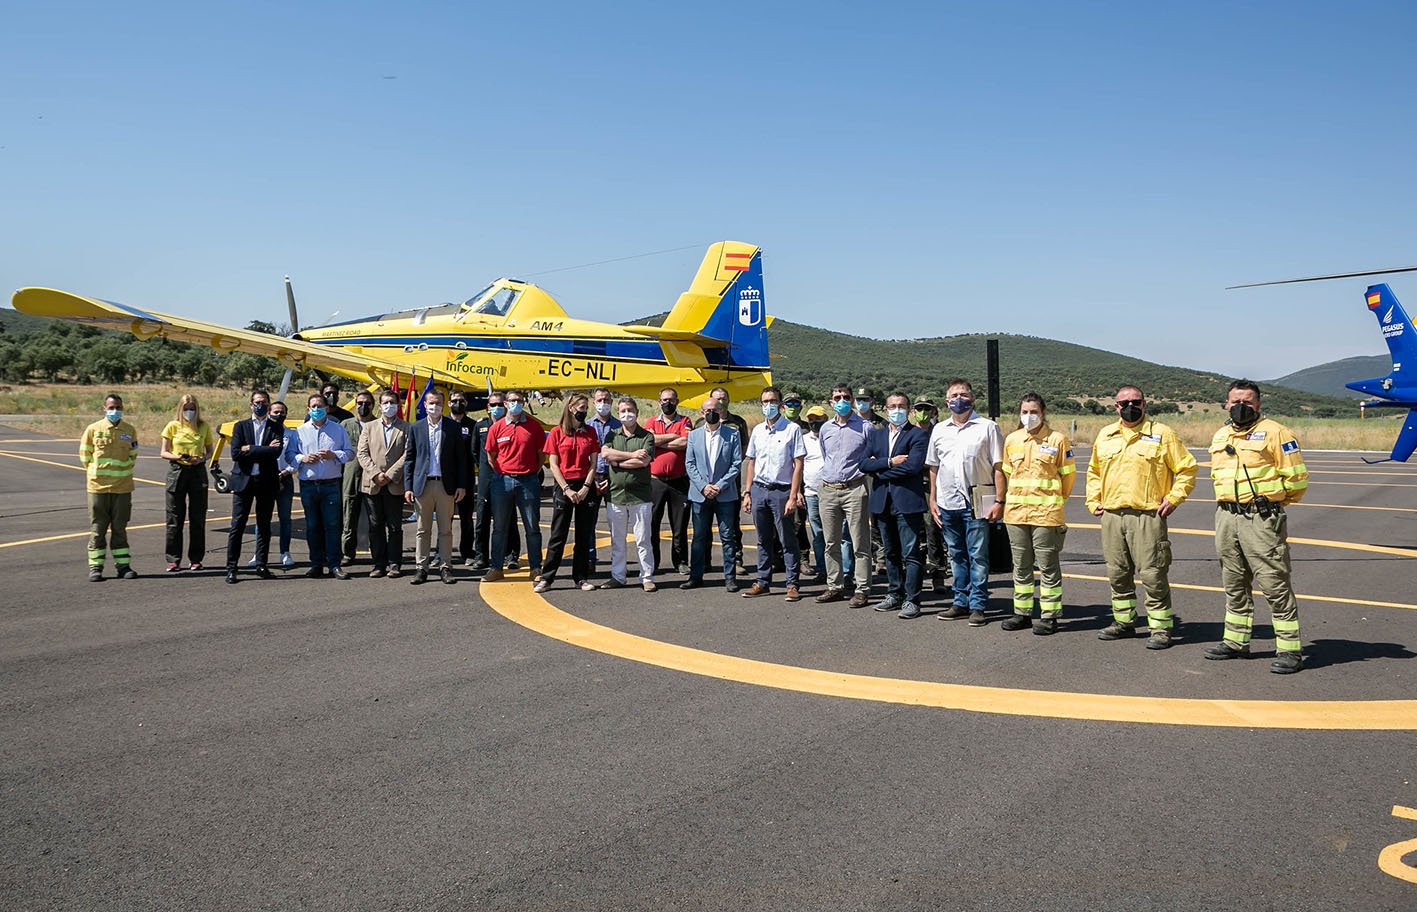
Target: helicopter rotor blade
(1324,278)
(290,302)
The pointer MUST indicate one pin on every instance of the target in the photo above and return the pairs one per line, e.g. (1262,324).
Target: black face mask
(332,399)
(458,407)
(260,409)
(1132,413)
(711,418)
(668,407)
(579,416)
(279,419)
(816,426)
(1242,414)
(365,409)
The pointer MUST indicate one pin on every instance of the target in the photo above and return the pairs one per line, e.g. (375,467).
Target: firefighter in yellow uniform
(1039,463)
(109,450)
(1257,469)
(1138,475)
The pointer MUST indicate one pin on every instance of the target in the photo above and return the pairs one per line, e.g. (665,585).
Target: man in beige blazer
(381,458)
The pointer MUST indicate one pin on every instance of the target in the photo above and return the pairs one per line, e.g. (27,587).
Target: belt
(667,477)
(319,481)
(435,477)
(772,487)
(1245,509)
(845,484)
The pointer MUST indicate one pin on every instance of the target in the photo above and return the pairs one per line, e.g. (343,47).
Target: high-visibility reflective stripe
(1048,484)
(119,552)
(1051,613)
(1123,604)
(1239,620)
(96,553)
(1299,469)
(1157,623)
(1023,606)
(1024,590)
(111,473)
(1124,617)
(1287,626)
(1288,645)
(1051,591)
(1008,469)
(1232,636)
(1035,499)
(1067,470)
(1163,613)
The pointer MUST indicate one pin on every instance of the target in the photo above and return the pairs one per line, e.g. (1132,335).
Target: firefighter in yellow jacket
(109,450)
(1257,469)
(1039,463)
(1138,475)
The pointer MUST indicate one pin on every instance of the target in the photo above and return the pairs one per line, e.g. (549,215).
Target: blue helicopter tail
(1401,342)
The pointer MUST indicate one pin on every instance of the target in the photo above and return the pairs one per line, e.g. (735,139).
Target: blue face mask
(842,407)
(770,411)
(497,411)
(317,414)
(896,416)
(514,407)
(961,405)
(863,406)
(259,409)
(114,415)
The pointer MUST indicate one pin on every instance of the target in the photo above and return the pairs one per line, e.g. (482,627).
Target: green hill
(809,360)
(1328,379)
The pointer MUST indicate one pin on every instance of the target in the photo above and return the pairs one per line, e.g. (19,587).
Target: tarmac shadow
(1320,653)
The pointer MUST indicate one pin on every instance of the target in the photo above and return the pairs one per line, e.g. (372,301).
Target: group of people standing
(848,474)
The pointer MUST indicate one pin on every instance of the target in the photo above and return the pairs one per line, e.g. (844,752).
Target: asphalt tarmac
(173,742)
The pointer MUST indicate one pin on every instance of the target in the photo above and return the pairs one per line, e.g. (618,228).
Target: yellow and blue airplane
(510,335)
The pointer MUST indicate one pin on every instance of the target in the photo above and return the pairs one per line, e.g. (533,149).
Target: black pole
(991,348)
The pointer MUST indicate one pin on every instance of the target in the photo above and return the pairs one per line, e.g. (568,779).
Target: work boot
(125,572)
(1160,639)
(1045,627)
(95,574)
(1117,631)
(1287,662)
(1220,652)
(937,582)
(1017,622)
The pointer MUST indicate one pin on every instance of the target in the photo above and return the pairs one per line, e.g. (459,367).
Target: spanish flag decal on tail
(737,262)
(1374,299)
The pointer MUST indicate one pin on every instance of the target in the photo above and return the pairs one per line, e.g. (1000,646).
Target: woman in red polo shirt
(571,447)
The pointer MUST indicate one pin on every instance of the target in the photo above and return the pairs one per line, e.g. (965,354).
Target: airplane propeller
(294,328)
(1323,278)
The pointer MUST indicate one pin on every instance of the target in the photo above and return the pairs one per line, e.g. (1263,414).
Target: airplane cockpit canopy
(493,301)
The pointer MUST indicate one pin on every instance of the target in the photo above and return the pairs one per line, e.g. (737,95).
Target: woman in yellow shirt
(1039,464)
(187,444)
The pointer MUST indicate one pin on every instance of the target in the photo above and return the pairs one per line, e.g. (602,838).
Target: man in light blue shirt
(318,451)
(842,494)
(772,478)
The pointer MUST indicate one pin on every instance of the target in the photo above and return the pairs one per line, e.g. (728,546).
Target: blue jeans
(968,541)
(901,537)
(705,514)
(819,538)
(776,532)
(525,492)
(285,495)
(321,501)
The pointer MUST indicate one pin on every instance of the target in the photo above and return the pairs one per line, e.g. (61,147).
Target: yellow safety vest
(1041,474)
(109,451)
(1265,462)
(1135,468)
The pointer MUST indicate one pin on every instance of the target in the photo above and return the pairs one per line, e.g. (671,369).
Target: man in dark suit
(255,446)
(712,460)
(895,457)
(435,471)
(472,440)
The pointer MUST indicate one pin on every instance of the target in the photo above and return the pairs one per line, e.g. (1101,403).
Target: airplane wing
(295,353)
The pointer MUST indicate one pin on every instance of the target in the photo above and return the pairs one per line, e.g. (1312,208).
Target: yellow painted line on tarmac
(1312,598)
(65,465)
(515,600)
(1390,858)
(43,440)
(1319,542)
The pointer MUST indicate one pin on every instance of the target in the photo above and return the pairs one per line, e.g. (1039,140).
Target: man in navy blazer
(436,474)
(712,459)
(255,446)
(895,458)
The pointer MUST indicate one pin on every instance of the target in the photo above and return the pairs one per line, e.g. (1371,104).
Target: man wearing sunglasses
(1139,473)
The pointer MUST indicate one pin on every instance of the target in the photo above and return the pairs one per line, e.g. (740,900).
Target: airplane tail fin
(1400,335)
(725,302)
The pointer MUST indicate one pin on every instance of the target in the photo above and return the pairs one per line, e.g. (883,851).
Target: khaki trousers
(1134,542)
(836,505)
(109,513)
(1040,546)
(1254,549)
(435,501)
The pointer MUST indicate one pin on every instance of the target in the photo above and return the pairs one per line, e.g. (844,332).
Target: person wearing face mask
(866,407)
(736,422)
(467,507)
(514,447)
(573,450)
(285,489)
(1257,469)
(894,459)
(668,479)
(967,486)
(1138,475)
(109,451)
(816,418)
(843,499)
(629,452)
(792,411)
(352,484)
(318,451)
(603,421)
(482,525)
(256,448)
(772,483)
(382,454)
(332,407)
(925,415)
(435,479)
(1039,464)
(187,444)
(713,460)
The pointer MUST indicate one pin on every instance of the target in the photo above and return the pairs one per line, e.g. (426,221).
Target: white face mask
(189,414)
(628,417)
(390,409)
(602,408)
(1030,420)
(434,411)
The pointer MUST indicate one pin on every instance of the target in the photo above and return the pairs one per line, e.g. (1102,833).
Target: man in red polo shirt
(669,481)
(514,447)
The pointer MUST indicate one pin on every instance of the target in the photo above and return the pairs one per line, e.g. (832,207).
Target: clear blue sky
(1089,172)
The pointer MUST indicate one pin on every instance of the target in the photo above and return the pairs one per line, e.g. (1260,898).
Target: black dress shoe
(732,585)
(314,573)
(263,573)
(691,583)
(340,573)
(447,574)
(420,577)
(231,576)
